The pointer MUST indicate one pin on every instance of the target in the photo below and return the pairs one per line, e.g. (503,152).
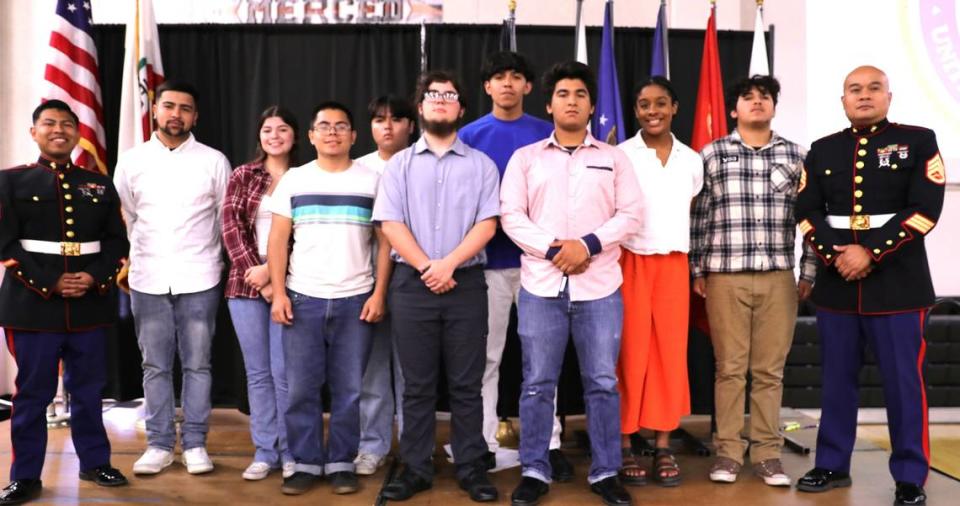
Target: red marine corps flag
(73,77)
(710,117)
(142,73)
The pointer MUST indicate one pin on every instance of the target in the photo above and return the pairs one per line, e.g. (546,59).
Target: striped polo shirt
(332,229)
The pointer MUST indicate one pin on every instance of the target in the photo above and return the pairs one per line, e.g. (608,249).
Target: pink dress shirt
(589,194)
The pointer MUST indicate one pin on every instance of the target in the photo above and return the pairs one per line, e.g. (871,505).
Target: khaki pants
(752,317)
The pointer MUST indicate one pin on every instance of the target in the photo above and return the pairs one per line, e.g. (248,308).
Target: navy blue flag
(608,118)
(660,65)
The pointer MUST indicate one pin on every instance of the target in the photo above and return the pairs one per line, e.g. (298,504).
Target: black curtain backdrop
(239,70)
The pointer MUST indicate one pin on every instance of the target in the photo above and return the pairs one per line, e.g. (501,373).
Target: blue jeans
(381,394)
(262,348)
(182,324)
(326,344)
(545,325)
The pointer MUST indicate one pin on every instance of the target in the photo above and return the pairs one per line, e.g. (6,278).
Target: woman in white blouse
(653,354)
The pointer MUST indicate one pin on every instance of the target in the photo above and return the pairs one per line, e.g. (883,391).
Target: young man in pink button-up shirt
(568,201)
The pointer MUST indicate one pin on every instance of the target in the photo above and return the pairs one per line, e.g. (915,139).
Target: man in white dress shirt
(171,190)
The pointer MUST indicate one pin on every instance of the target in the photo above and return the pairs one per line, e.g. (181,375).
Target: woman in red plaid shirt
(246,226)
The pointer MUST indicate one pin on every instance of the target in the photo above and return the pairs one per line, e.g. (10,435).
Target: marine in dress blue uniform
(61,240)
(868,196)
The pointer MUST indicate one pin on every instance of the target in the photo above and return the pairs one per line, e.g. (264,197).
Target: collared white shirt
(171,201)
(667,191)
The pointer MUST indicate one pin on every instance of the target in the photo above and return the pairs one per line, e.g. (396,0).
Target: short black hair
(569,70)
(180,86)
(334,105)
(396,105)
(438,76)
(660,81)
(504,61)
(57,105)
(764,84)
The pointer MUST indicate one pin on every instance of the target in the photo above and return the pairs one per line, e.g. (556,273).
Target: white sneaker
(256,471)
(288,469)
(153,461)
(197,460)
(368,463)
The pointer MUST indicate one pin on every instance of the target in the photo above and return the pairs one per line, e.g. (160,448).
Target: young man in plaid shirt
(742,258)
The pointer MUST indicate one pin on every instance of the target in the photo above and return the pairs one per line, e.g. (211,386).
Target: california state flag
(142,72)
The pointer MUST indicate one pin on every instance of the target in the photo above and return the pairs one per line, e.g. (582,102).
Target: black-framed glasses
(324,128)
(441,96)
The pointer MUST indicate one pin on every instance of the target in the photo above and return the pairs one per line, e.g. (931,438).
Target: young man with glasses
(327,297)
(438,205)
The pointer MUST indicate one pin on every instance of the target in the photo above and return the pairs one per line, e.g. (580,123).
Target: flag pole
(512,6)
(577,41)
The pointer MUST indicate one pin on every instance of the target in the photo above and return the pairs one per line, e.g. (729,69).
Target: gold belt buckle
(70,249)
(860,222)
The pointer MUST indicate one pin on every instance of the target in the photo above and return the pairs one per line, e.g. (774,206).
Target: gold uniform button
(858,208)
(67,196)
(68,209)
(19,273)
(873,128)
(65,186)
(858,179)
(862,152)
(864,141)
(902,234)
(70,233)
(894,166)
(812,238)
(44,290)
(829,256)
(876,251)
(103,286)
(858,193)
(819,246)
(69,221)
(61,176)
(859,165)
(95,200)
(31,281)
(828,172)
(889,242)
(53,165)
(36,198)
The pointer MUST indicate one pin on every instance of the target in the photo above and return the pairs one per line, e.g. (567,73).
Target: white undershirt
(262,225)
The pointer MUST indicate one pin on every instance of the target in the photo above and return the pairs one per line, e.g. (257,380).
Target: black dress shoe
(612,492)
(21,491)
(561,470)
(819,479)
(489,460)
(528,492)
(105,476)
(908,493)
(479,487)
(405,486)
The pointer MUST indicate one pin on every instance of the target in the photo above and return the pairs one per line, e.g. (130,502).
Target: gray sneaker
(724,470)
(771,470)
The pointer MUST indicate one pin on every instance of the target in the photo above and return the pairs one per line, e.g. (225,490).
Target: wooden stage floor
(229,445)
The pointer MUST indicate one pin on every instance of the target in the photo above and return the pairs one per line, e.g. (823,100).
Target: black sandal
(666,472)
(632,472)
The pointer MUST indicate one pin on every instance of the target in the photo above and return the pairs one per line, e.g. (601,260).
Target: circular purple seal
(938,21)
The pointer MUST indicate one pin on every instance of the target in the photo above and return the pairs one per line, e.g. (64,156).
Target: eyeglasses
(441,96)
(325,128)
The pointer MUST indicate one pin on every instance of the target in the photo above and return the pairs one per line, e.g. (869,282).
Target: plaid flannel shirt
(743,220)
(244,192)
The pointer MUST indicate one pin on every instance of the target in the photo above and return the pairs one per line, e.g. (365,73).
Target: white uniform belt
(859,221)
(70,249)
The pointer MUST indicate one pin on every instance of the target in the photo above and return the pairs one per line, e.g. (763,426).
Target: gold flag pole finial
(760,3)
(512,6)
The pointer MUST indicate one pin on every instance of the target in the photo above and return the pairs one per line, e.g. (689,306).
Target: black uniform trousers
(38,354)
(426,327)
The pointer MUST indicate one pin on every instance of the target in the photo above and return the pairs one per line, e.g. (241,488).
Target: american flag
(73,77)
